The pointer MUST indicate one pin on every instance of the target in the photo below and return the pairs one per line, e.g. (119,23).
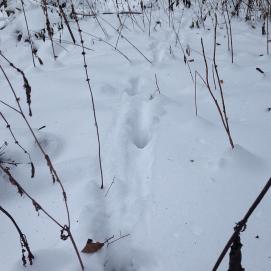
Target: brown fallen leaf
(91,247)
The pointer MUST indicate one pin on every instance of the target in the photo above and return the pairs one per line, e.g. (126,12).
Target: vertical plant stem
(224,121)
(229,20)
(150,21)
(227,31)
(195,94)
(75,248)
(91,93)
(267,29)
(66,21)
(220,88)
(28,32)
(44,6)
(213,73)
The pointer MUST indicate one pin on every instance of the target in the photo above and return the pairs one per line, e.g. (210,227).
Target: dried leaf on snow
(91,247)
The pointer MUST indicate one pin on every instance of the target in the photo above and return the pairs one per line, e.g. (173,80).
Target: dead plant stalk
(90,91)
(52,170)
(207,84)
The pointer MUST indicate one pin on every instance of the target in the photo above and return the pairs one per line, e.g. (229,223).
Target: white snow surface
(172,181)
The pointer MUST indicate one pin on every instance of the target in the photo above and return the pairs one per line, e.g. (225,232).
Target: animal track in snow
(158,51)
(139,123)
(143,117)
(136,84)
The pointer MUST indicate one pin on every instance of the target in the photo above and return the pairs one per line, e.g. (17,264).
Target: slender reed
(62,13)
(91,92)
(267,28)
(195,94)
(222,116)
(229,21)
(220,88)
(29,36)
(44,6)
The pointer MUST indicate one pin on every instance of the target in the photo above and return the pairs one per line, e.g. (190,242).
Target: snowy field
(173,186)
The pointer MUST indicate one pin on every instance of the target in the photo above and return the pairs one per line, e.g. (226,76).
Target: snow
(172,182)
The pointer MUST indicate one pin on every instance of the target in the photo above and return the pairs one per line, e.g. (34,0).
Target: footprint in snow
(158,51)
(51,143)
(142,120)
(136,84)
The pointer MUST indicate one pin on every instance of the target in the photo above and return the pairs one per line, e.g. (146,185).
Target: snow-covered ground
(173,184)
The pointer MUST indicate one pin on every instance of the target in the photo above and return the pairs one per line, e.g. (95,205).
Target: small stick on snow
(156,82)
(108,239)
(110,187)
(121,237)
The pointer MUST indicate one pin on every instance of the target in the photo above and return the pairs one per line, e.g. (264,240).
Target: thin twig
(242,224)
(110,187)
(26,85)
(122,36)
(121,237)
(156,82)
(16,141)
